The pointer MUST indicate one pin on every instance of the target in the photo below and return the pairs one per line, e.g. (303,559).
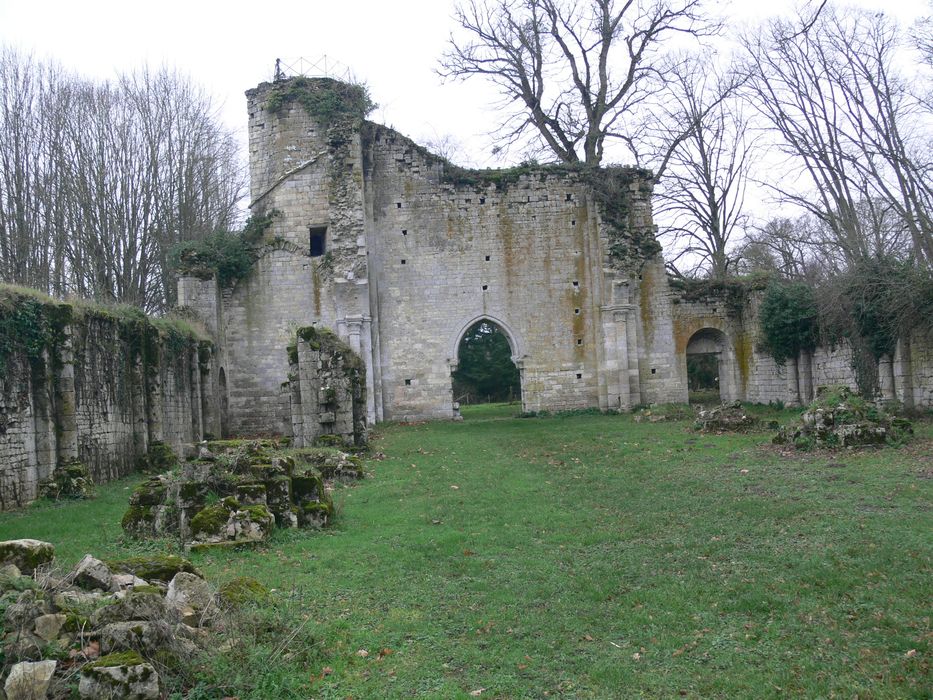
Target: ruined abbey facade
(400,253)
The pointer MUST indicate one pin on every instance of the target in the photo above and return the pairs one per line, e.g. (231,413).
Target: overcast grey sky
(230,46)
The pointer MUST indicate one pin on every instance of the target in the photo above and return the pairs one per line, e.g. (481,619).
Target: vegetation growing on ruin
(733,292)
(788,319)
(33,325)
(226,255)
(326,100)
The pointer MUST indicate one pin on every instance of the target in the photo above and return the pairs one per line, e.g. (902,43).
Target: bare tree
(705,169)
(98,181)
(830,90)
(570,74)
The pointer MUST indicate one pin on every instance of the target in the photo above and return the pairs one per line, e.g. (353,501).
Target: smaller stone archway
(515,347)
(714,345)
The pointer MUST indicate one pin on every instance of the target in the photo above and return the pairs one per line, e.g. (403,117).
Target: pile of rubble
(727,418)
(237,492)
(108,624)
(840,418)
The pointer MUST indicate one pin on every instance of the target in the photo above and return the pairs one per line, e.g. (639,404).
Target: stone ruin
(111,623)
(326,387)
(729,417)
(840,418)
(239,491)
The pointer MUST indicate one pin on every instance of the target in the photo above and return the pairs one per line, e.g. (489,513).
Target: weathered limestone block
(144,636)
(190,591)
(29,680)
(26,554)
(138,604)
(123,675)
(91,573)
(48,627)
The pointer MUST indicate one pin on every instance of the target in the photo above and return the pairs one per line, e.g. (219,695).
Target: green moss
(26,559)
(258,513)
(137,519)
(120,658)
(160,457)
(307,486)
(326,100)
(242,590)
(159,567)
(292,351)
(211,520)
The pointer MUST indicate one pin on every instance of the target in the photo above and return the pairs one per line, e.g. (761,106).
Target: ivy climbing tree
(788,318)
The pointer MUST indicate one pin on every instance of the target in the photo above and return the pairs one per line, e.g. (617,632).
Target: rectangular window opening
(579,341)
(485,287)
(482,200)
(404,231)
(398,205)
(403,261)
(654,370)
(579,375)
(408,382)
(318,241)
(487,258)
(576,311)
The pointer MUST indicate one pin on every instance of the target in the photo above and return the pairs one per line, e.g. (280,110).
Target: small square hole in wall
(403,261)
(579,341)
(398,205)
(576,312)
(654,370)
(485,287)
(487,258)
(404,231)
(482,200)
(714,309)
(573,222)
(569,197)
(408,382)
(576,283)
(579,375)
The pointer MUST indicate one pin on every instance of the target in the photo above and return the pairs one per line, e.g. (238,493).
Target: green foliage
(788,318)
(485,368)
(328,101)
(227,255)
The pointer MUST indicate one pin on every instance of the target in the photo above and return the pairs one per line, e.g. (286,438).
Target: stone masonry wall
(445,254)
(101,396)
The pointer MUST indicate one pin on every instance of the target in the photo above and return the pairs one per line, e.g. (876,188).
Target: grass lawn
(585,556)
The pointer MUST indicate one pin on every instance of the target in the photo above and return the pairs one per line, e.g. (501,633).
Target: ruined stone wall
(99,391)
(326,389)
(521,250)
(762,380)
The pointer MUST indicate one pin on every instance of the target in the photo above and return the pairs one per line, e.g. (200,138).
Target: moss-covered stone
(211,521)
(160,458)
(243,590)
(26,554)
(159,567)
(120,658)
(137,521)
(68,481)
(307,487)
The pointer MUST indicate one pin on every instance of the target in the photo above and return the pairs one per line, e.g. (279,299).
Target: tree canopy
(485,371)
